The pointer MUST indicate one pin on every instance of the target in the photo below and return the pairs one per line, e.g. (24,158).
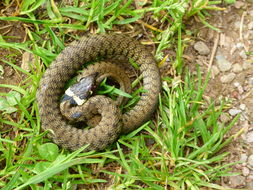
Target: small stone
(234,112)
(249,137)
(238,4)
(245,171)
(239,45)
(237,181)
(240,89)
(237,24)
(236,84)
(247,64)
(251,80)
(201,48)
(250,160)
(243,54)
(243,158)
(235,94)
(250,25)
(227,78)
(223,63)
(242,106)
(250,177)
(215,70)
(237,68)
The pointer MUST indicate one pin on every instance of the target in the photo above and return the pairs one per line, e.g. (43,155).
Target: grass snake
(113,123)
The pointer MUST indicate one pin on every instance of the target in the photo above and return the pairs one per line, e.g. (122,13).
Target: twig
(241,30)
(216,42)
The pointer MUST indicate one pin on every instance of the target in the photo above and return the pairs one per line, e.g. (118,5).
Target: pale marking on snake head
(78,100)
(69,92)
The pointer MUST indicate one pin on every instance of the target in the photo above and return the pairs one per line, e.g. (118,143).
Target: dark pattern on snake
(71,59)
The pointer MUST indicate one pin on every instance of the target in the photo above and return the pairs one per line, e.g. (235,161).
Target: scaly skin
(102,46)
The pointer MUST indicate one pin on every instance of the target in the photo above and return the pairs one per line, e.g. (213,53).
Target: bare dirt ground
(229,54)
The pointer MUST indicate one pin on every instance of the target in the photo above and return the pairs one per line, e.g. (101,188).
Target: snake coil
(67,63)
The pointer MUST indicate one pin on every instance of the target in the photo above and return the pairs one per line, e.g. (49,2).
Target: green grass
(181,148)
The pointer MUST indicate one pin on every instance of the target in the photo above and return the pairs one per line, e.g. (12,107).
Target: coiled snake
(113,123)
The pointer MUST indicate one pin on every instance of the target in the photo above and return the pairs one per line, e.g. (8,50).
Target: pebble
(250,25)
(201,48)
(237,68)
(237,181)
(243,158)
(243,54)
(251,80)
(245,171)
(234,112)
(240,89)
(238,4)
(228,78)
(223,63)
(251,178)
(215,70)
(249,137)
(250,160)
(242,106)
(236,84)
(247,64)
(239,45)
(237,24)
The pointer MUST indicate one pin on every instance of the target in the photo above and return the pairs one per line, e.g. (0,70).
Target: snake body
(67,63)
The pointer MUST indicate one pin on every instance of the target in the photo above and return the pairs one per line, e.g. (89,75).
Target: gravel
(249,137)
(234,112)
(245,171)
(223,63)
(251,80)
(242,107)
(215,70)
(237,68)
(250,160)
(228,78)
(239,4)
(243,158)
(237,181)
(243,55)
(247,64)
(201,48)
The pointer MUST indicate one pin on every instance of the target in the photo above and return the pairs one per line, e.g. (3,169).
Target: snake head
(78,93)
